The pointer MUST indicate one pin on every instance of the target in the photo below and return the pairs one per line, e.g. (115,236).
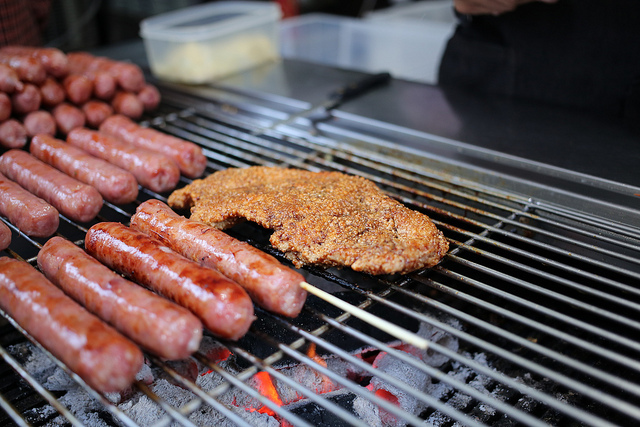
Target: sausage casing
(221,304)
(32,215)
(269,283)
(71,197)
(5,236)
(102,357)
(157,324)
(114,184)
(39,122)
(12,134)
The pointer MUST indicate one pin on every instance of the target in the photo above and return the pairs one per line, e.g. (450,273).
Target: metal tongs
(335,99)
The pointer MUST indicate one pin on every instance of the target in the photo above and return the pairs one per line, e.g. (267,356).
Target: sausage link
(114,184)
(12,134)
(5,106)
(9,80)
(187,155)
(27,68)
(39,121)
(68,117)
(222,305)
(104,85)
(5,236)
(128,76)
(32,215)
(127,104)
(269,283)
(153,170)
(71,197)
(96,112)
(101,356)
(150,97)
(157,324)
(53,60)
(78,88)
(26,100)
(52,92)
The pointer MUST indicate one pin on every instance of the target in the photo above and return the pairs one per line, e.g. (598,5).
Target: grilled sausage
(187,155)
(128,76)
(26,100)
(53,60)
(27,68)
(71,197)
(5,236)
(96,112)
(102,357)
(52,92)
(5,106)
(269,283)
(9,80)
(78,88)
(104,85)
(68,117)
(153,170)
(222,305)
(32,215)
(157,324)
(114,184)
(127,104)
(39,121)
(12,134)
(150,97)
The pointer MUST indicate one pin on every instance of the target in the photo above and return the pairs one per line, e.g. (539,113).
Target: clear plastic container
(205,42)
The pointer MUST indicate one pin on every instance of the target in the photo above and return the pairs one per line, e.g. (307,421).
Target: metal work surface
(532,317)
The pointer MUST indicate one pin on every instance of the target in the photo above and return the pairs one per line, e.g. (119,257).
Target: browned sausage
(27,68)
(116,185)
(157,324)
(53,60)
(127,104)
(269,283)
(128,76)
(39,121)
(32,215)
(150,97)
(12,134)
(5,236)
(187,155)
(9,80)
(153,170)
(5,106)
(222,305)
(96,112)
(101,356)
(78,88)
(26,100)
(52,92)
(71,197)
(68,117)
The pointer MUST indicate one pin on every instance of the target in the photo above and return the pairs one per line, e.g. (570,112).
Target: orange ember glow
(267,389)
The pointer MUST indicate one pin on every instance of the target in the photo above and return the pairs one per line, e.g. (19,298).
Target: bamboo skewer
(384,325)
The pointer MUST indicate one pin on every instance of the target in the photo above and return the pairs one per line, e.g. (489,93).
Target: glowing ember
(267,389)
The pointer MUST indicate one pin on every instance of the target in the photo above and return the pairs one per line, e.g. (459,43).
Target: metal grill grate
(533,316)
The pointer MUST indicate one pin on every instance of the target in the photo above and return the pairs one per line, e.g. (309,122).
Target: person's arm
(493,7)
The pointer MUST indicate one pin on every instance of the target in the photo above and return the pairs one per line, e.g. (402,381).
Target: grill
(532,317)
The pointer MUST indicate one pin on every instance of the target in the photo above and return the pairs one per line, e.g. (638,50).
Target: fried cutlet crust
(326,218)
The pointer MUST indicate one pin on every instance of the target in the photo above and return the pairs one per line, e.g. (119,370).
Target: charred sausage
(96,112)
(9,80)
(68,117)
(101,356)
(222,305)
(269,283)
(157,324)
(26,100)
(53,60)
(32,215)
(78,88)
(12,134)
(69,196)
(152,170)
(187,155)
(5,236)
(127,104)
(114,184)
(52,92)
(5,106)
(39,121)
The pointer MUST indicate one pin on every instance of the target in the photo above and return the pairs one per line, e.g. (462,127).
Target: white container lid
(208,21)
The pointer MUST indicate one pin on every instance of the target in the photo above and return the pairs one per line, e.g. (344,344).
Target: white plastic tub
(202,43)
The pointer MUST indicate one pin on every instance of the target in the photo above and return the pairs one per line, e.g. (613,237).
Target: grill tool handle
(352,90)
